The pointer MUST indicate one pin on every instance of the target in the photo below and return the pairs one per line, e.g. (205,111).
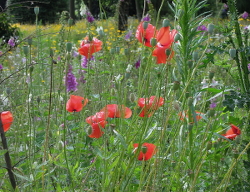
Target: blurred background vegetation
(19,11)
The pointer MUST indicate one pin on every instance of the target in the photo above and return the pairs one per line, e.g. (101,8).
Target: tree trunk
(2,5)
(138,10)
(72,9)
(123,12)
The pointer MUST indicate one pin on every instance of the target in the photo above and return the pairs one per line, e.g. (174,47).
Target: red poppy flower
(144,36)
(75,103)
(184,114)
(7,119)
(149,105)
(98,117)
(147,151)
(165,39)
(161,54)
(114,110)
(97,129)
(89,47)
(232,132)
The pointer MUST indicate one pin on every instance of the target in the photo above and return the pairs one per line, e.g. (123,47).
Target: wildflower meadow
(163,106)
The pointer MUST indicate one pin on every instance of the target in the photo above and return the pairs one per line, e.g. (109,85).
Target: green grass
(50,148)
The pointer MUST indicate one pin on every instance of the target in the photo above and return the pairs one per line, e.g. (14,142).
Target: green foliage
(49,10)
(6,29)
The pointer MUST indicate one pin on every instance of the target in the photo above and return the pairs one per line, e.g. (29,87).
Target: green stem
(7,156)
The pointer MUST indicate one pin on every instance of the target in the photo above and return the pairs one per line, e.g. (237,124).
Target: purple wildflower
(225,6)
(202,28)
(89,17)
(11,42)
(84,62)
(244,15)
(75,54)
(1,67)
(138,63)
(146,18)
(212,105)
(128,35)
(248,66)
(70,81)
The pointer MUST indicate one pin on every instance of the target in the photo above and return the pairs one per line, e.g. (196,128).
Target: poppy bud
(68,47)
(176,85)
(101,33)
(117,49)
(153,42)
(8,90)
(209,145)
(132,97)
(176,105)
(190,64)
(70,22)
(210,28)
(165,23)
(126,51)
(177,37)
(51,52)
(25,50)
(168,52)
(232,53)
(112,50)
(211,113)
(112,91)
(190,101)
(144,149)
(89,130)
(211,75)
(29,41)
(145,25)
(195,56)
(36,10)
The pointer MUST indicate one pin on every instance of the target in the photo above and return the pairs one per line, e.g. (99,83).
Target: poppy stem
(7,156)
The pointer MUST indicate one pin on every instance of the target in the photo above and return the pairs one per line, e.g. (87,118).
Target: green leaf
(212,90)
(2,152)
(150,131)
(23,177)
(121,138)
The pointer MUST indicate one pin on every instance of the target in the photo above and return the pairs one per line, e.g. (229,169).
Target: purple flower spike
(128,35)
(89,17)
(1,67)
(248,66)
(11,42)
(138,64)
(202,28)
(146,18)
(245,15)
(71,82)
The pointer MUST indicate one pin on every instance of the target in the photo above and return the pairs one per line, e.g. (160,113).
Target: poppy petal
(7,119)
